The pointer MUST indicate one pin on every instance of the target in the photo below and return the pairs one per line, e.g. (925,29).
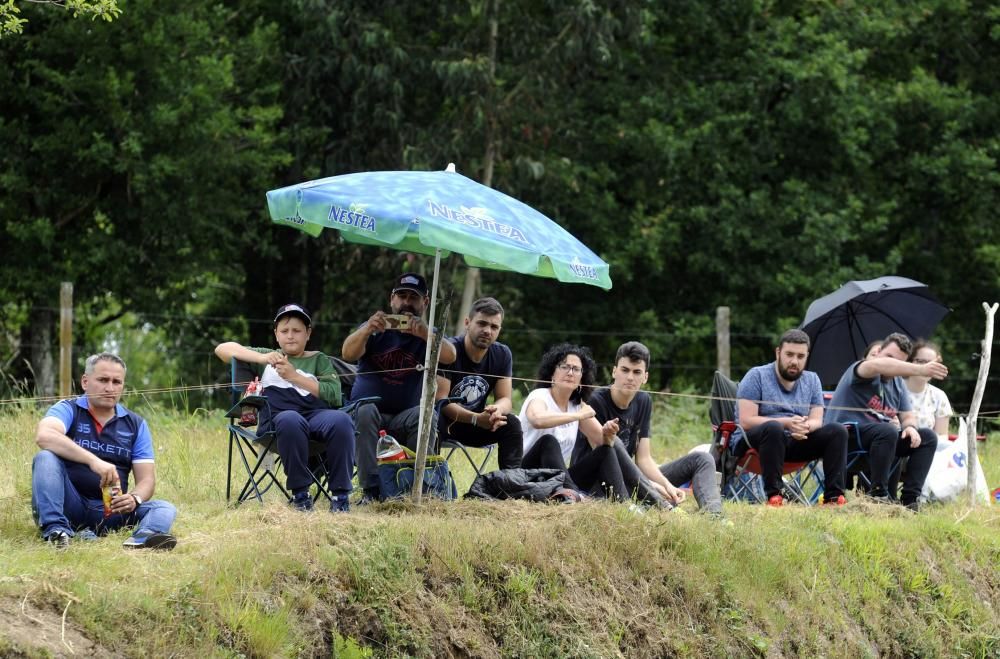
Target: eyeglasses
(570,368)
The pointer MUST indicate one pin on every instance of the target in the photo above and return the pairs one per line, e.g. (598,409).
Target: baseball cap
(294,309)
(411,281)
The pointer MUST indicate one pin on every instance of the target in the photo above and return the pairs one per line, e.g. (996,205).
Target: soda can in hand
(108,492)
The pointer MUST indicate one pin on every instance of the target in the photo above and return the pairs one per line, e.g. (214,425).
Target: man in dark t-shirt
(872,394)
(482,367)
(388,355)
(633,409)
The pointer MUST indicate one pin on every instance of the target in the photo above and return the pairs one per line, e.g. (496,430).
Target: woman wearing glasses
(556,410)
(929,402)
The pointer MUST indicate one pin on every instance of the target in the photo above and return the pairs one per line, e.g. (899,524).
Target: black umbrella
(843,323)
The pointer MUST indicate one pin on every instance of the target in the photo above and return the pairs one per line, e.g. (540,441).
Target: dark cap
(411,281)
(296,310)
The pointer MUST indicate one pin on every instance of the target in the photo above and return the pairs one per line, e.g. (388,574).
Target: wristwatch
(138,499)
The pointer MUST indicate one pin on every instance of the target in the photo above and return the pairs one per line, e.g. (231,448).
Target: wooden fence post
(977,399)
(722,340)
(66,339)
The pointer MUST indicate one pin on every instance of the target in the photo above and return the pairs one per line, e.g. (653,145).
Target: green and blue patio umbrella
(438,213)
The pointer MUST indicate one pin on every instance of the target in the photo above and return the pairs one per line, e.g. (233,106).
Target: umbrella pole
(425,426)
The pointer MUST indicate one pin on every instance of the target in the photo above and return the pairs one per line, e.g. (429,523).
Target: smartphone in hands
(397,321)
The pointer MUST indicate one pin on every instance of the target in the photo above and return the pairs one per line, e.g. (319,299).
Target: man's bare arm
(51,436)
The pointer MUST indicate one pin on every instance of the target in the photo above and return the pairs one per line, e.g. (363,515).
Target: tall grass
(486,579)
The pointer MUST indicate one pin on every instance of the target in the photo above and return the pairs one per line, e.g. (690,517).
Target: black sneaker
(302,501)
(340,503)
(58,539)
(147,540)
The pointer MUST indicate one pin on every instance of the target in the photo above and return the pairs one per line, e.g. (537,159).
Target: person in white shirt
(930,403)
(556,410)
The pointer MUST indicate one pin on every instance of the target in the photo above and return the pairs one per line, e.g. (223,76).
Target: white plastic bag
(949,473)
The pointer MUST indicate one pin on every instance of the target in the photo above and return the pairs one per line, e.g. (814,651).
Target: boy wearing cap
(388,358)
(301,386)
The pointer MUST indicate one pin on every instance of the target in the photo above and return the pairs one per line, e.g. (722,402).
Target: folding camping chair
(258,450)
(739,463)
(452,445)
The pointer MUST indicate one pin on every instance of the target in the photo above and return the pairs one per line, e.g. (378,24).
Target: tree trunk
(471,289)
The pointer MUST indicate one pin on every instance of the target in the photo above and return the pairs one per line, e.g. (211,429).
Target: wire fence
(683,361)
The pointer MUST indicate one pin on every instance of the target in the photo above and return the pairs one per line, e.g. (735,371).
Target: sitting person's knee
(838,431)
(704,460)
(367,412)
(928,438)
(513,422)
(44,457)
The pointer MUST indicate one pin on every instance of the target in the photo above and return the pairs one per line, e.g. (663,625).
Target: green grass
(486,579)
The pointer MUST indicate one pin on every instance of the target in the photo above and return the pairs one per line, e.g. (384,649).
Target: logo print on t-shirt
(397,363)
(473,390)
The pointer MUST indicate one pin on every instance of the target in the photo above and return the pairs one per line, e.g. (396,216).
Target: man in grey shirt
(780,408)
(872,394)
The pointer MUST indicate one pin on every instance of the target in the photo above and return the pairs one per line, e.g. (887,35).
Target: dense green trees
(755,154)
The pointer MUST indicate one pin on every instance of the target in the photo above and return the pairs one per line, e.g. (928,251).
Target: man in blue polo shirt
(90,443)
(388,356)
(780,408)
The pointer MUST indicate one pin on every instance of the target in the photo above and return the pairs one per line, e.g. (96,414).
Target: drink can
(108,492)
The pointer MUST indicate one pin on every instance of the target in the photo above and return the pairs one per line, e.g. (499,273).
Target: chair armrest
(350,407)
(256,402)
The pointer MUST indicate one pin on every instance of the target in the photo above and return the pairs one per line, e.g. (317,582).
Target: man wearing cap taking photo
(301,387)
(388,349)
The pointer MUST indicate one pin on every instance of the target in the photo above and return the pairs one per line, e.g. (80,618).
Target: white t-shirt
(564,434)
(929,404)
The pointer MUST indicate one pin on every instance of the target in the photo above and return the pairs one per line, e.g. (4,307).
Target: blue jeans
(57,506)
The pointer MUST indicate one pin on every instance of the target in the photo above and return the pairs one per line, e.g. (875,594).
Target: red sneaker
(839,501)
(776,501)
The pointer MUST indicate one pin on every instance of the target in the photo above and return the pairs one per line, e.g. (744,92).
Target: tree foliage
(750,154)
(11,22)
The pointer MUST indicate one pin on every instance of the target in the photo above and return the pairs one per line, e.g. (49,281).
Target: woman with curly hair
(556,410)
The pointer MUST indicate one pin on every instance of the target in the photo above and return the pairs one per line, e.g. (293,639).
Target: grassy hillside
(473,579)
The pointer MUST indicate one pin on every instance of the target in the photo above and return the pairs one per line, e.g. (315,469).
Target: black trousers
(598,473)
(775,447)
(884,442)
(508,438)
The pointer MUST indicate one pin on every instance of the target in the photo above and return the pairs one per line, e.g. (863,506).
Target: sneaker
(58,539)
(150,540)
(86,535)
(912,505)
(839,501)
(340,503)
(302,501)
(776,501)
